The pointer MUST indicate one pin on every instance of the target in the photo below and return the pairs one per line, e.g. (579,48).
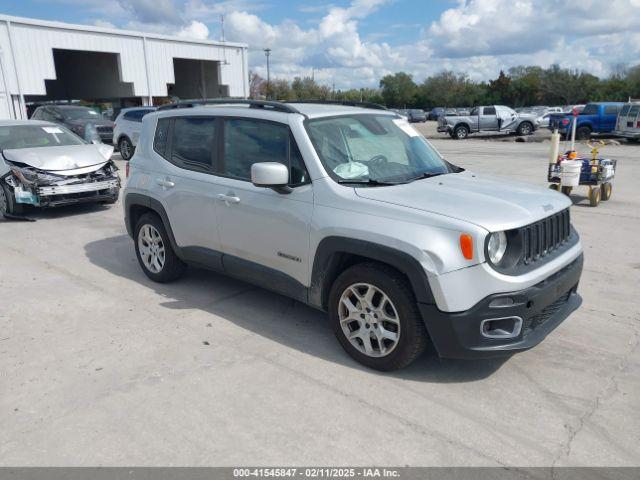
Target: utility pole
(267,52)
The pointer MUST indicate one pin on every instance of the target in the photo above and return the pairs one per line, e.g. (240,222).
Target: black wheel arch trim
(329,257)
(136,199)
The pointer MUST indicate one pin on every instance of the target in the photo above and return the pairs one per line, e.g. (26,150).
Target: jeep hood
(489,202)
(64,160)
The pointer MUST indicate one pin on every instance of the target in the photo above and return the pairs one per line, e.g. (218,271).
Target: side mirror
(270,175)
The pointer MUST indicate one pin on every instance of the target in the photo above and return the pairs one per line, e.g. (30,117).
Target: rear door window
(489,111)
(590,109)
(193,143)
(611,110)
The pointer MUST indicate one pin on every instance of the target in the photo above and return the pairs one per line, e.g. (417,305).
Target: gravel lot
(99,366)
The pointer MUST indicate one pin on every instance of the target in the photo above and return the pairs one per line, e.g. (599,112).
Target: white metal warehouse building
(42,61)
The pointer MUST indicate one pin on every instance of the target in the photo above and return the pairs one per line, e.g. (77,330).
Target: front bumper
(541,309)
(444,128)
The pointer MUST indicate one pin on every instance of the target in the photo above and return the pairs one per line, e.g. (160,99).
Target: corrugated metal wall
(32,43)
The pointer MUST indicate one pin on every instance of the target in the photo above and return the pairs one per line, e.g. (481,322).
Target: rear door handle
(229,199)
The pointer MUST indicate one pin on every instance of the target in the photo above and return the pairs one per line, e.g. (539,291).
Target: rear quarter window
(160,140)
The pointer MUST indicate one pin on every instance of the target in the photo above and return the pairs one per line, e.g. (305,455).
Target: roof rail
(346,103)
(263,104)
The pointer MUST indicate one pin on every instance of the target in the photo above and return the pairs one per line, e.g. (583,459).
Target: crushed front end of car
(42,188)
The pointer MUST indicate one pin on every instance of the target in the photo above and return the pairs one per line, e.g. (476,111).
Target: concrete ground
(99,366)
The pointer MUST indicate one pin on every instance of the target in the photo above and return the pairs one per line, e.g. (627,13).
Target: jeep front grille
(542,237)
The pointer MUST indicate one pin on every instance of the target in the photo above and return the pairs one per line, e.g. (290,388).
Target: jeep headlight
(496,247)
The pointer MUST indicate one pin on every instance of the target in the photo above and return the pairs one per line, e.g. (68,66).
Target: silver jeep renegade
(350,210)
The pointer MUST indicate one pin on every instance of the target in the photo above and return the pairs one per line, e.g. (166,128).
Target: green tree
(398,90)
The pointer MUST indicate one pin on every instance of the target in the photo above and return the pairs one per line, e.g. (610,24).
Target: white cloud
(477,37)
(195,29)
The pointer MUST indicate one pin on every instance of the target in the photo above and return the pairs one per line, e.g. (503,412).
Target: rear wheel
(375,317)
(126,148)
(461,132)
(583,133)
(606,188)
(594,196)
(567,190)
(8,202)
(554,186)
(156,256)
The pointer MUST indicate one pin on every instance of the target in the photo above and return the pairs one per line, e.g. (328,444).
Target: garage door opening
(196,79)
(82,75)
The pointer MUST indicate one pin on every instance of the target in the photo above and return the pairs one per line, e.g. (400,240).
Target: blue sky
(352,43)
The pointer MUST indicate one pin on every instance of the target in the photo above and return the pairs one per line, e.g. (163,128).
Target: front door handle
(229,199)
(166,183)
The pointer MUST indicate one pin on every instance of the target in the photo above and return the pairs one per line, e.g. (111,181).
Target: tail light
(638,124)
(126,170)
(565,121)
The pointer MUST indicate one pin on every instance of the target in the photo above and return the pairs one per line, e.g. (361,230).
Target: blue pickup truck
(598,117)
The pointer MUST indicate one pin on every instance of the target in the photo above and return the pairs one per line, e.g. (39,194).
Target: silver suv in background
(126,129)
(351,211)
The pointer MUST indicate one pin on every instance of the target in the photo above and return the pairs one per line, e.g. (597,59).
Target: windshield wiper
(369,181)
(425,175)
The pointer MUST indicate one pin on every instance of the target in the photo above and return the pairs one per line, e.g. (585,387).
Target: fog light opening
(507,327)
(502,302)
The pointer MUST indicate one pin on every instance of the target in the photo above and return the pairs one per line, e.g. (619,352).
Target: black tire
(582,133)
(173,267)
(8,201)
(525,128)
(567,190)
(126,148)
(460,132)
(413,337)
(554,186)
(594,196)
(607,189)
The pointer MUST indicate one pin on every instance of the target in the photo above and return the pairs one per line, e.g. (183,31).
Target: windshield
(79,113)
(374,148)
(31,136)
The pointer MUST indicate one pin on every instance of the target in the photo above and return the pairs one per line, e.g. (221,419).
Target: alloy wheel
(125,149)
(369,320)
(151,248)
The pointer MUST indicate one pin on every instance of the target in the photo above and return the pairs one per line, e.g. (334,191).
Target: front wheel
(153,248)
(461,132)
(126,148)
(525,128)
(606,188)
(8,202)
(375,317)
(594,196)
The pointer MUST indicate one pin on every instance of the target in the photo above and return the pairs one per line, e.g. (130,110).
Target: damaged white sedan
(45,165)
